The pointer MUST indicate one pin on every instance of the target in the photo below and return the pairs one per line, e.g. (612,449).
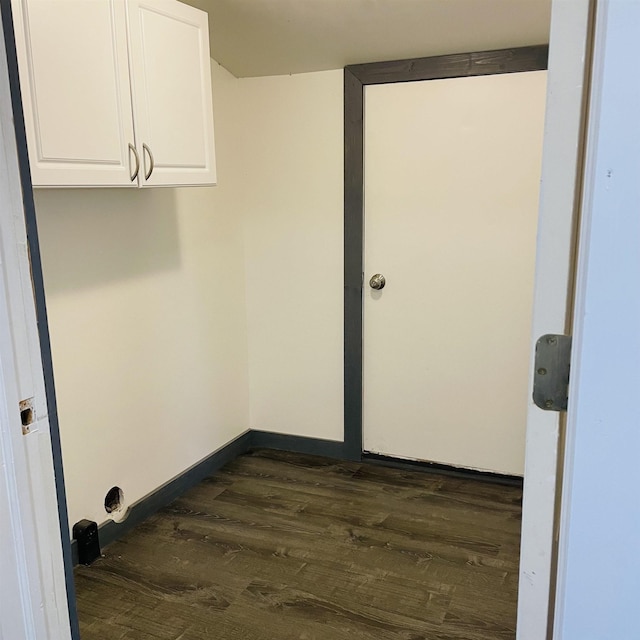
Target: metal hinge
(551,375)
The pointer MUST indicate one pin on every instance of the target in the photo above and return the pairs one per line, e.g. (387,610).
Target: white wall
(145,294)
(148,300)
(292,168)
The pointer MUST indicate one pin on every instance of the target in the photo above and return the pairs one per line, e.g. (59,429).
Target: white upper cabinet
(171,73)
(74,74)
(115,93)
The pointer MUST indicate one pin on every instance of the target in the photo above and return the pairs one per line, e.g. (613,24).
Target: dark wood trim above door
(356,77)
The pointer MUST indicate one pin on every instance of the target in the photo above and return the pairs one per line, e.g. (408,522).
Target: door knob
(377,282)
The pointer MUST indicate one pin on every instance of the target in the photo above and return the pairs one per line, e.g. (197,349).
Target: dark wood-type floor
(280,546)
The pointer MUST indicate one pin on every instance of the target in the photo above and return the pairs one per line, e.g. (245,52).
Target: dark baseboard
(443,469)
(110,531)
(297,444)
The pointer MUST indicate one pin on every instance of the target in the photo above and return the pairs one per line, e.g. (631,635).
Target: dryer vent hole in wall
(114,504)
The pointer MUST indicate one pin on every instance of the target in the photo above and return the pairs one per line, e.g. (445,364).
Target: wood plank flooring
(280,546)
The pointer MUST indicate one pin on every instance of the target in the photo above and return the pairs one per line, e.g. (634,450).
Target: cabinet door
(72,57)
(171,76)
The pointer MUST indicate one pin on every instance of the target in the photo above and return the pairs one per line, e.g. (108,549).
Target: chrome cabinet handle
(147,175)
(377,282)
(135,153)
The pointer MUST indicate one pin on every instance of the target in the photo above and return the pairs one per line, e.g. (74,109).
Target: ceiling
(277,37)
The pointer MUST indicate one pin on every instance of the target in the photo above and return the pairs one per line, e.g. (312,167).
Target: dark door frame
(356,77)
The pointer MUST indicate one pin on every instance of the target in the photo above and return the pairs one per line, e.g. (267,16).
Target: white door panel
(67,46)
(171,73)
(33,591)
(452,170)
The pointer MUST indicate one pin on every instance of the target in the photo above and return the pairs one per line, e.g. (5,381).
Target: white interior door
(452,173)
(33,591)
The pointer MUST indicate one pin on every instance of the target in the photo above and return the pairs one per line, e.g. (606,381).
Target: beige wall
(145,294)
(149,291)
(292,168)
